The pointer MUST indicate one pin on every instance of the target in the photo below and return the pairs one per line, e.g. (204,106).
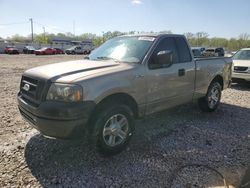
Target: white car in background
(241,65)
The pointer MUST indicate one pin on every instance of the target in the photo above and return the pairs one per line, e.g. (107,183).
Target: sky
(219,18)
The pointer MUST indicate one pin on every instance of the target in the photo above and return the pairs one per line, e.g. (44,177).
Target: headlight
(65,92)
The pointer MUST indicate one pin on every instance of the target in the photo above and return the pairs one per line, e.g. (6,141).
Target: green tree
(201,38)
(41,39)
(18,38)
(244,40)
(195,39)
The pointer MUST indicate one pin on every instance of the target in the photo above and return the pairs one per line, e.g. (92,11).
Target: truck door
(172,85)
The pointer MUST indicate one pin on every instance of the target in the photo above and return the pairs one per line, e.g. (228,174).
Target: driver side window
(166,44)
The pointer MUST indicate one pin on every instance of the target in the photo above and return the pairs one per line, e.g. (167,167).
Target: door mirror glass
(165,58)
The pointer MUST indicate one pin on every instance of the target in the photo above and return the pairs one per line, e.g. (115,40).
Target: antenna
(32,34)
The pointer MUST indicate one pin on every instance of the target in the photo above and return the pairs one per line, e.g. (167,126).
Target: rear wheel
(211,101)
(113,129)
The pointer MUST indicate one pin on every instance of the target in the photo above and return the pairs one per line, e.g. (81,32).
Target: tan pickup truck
(125,78)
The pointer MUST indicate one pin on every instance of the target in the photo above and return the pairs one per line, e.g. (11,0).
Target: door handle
(139,76)
(181,72)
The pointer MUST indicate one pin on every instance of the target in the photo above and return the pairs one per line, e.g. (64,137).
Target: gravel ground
(181,147)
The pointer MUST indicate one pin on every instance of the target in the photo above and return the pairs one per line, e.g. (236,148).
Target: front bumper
(37,53)
(57,119)
(243,76)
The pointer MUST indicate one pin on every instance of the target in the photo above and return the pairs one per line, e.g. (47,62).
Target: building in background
(63,42)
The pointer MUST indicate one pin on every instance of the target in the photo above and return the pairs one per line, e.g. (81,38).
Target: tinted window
(218,50)
(210,50)
(183,50)
(167,44)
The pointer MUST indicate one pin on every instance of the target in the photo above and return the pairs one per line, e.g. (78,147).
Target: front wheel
(211,101)
(113,129)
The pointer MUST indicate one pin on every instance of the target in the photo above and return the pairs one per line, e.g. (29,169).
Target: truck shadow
(162,144)
(242,86)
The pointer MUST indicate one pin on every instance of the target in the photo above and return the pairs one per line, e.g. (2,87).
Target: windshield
(242,55)
(72,48)
(123,49)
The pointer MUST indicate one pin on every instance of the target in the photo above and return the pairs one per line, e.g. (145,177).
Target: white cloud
(136,2)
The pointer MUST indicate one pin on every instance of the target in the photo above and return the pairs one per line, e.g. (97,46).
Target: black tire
(98,138)
(207,103)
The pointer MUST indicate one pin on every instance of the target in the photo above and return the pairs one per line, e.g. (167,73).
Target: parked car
(198,51)
(77,50)
(11,50)
(241,65)
(45,51)
(59,51)
(28,50)
(125,78)
(214,52)
(201,49)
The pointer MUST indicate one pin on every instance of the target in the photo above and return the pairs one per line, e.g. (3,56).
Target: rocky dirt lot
(182,147)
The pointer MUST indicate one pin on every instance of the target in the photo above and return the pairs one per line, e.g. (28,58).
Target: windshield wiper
(104,57)
(107,58)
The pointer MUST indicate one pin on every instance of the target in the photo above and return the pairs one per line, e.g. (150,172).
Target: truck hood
(241,63)
(71,70)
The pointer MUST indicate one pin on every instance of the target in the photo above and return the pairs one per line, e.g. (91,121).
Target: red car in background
(59,51)
(45,51)
(11,50)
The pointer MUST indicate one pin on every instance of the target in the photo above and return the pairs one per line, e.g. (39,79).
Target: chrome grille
(31,89)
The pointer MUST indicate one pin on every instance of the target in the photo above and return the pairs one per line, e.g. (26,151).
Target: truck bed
(208,67)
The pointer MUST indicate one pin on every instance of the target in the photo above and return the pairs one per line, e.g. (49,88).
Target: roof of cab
(156,35)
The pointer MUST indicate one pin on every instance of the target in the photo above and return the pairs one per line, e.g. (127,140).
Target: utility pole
(44,35)
(32,34)
(74,28)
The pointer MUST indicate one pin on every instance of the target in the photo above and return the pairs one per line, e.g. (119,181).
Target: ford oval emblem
(26,87)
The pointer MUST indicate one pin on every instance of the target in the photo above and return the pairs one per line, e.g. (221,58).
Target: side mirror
(165,58)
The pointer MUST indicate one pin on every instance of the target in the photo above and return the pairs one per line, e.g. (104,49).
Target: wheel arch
(119,98)
(219,79)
